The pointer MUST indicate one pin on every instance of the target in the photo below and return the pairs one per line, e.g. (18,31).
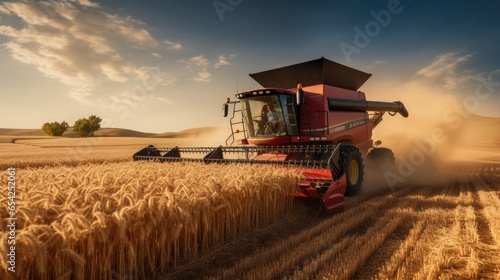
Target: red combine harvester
(309,116)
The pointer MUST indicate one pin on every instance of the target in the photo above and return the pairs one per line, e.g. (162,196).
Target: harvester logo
(338,128)
(356,123)
(347,125)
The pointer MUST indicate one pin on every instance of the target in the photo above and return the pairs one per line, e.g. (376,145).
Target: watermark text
(11,220)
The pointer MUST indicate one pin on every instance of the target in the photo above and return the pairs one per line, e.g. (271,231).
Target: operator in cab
(275,119)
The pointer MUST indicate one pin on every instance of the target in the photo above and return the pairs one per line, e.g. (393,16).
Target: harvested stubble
(137,219)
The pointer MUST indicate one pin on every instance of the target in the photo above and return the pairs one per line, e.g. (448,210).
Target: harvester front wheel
(353,168)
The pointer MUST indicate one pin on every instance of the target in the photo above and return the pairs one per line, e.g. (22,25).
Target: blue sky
(158,66)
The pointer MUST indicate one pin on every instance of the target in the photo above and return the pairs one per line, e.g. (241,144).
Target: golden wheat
(135,219)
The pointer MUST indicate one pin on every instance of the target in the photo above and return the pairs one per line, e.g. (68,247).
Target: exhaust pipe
(335,104)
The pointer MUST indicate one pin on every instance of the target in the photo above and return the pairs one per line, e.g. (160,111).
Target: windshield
(269,115)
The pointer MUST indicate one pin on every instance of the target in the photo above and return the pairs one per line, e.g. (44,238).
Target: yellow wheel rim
(353,173)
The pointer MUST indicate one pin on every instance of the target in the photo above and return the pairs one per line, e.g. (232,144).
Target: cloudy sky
(159,66)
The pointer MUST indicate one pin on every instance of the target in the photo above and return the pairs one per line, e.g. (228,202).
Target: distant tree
(55,128)
(86,127)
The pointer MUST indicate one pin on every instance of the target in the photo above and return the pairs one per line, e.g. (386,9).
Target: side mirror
(225,109)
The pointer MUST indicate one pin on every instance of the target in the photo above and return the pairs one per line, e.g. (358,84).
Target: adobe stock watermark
(11,219)
(453,119)
(223,6)
(363,37)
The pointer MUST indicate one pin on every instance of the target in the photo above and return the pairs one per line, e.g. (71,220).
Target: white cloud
(77,43)
(203,77)
(97,55)
(444,64)
(444,70)
(82,94)
(134,20)
(8,31)
(200,63)
(86,3)
(376,63)
(224,60)
(52,64)
(4,10)
(170,45)
(112,73)
(153,78)
(199,60)
(131,98)
(165,100)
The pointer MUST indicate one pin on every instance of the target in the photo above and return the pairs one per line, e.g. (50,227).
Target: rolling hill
(116,132)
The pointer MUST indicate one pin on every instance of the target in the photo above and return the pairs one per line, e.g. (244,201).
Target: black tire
(381,158)
(353,168)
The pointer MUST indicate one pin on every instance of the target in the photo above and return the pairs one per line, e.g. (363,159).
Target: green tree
(55,128)
(87,126)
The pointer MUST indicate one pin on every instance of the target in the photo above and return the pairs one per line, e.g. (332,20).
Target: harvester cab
(308,116)
(269,115)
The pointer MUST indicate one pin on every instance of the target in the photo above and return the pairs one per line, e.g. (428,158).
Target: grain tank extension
(310,116)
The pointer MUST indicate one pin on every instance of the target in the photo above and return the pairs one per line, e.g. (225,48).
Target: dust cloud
(215,137)
(440,127)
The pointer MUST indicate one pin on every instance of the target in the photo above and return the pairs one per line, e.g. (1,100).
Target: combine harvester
(308,116)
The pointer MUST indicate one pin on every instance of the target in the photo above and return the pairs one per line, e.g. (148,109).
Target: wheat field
(96,218)
(96,221)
